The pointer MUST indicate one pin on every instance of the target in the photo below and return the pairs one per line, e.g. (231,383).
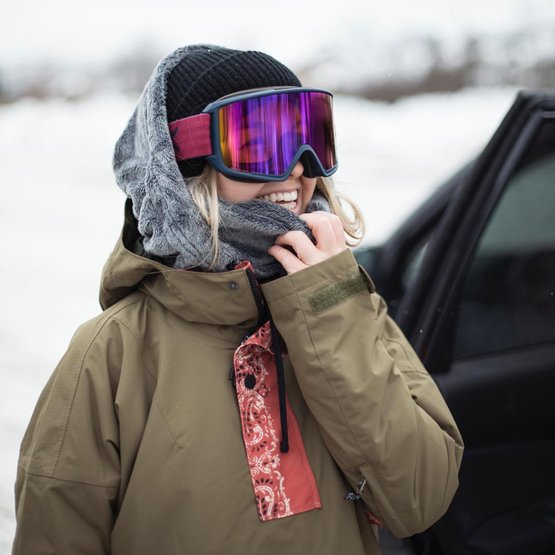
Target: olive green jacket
(135,446)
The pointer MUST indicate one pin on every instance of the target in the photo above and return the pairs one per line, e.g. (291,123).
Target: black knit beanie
(207,73)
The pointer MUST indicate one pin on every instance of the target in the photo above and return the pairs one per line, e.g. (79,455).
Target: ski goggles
(260,135)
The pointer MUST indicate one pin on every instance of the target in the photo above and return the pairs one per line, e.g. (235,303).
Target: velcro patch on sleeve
(336,293)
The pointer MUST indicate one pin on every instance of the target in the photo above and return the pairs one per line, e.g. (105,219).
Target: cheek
(308,189)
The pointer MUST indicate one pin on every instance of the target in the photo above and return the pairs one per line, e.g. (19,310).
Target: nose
(297,170)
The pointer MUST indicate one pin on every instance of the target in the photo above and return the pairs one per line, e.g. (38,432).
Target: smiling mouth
(287,199)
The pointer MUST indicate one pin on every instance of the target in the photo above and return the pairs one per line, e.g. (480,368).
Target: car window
(508,297)
(413,264)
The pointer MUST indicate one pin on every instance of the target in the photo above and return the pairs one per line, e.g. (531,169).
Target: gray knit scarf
(168,220)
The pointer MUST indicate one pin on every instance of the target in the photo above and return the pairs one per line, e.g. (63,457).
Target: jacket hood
(222,298)
(124,270)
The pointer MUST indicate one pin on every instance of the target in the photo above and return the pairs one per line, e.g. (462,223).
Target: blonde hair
(204,192)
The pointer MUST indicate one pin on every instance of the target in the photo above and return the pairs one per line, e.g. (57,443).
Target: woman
(244,390)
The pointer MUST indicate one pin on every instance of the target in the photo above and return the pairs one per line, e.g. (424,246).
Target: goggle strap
(191,137)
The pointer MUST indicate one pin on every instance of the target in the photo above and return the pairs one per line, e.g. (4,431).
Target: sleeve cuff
(334,278)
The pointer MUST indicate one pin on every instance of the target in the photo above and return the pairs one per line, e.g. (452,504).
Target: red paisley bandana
(283,483)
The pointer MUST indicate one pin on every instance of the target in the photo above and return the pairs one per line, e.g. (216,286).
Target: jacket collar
(223,298)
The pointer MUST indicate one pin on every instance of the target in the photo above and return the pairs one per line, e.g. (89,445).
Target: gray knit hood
(168,220)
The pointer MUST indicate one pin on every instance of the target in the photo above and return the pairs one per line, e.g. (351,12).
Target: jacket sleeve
(380,413)
(68,475)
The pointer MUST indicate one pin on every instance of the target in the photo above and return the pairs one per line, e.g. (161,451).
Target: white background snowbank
(61,213)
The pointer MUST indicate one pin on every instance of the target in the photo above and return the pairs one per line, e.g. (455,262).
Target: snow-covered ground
(61,213)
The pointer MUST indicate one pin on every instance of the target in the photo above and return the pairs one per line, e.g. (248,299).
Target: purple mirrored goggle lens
(264,134)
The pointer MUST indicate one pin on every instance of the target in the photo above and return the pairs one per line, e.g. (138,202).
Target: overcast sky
(92,32)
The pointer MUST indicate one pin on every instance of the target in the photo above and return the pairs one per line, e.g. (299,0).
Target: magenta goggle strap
(260,135)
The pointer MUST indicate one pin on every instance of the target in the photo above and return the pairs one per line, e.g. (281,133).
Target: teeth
(289,196)
(289,205)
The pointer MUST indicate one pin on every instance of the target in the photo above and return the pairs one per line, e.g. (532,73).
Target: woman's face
(293,194)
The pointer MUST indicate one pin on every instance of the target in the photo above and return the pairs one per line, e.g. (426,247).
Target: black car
(470,279)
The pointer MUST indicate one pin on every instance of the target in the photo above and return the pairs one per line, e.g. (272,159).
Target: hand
(330,240)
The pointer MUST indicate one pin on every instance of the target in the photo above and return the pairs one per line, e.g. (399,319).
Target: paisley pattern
(283,482)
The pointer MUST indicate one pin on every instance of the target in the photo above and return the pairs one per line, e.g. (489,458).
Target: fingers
(322,228)
(300,243)
(306,254)
(330,240)
(327,229)
(287,259)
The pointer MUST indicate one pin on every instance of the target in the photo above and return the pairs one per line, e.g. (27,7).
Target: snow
(63,212)
(364,42)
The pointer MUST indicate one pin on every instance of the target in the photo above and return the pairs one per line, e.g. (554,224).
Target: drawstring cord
(276,345)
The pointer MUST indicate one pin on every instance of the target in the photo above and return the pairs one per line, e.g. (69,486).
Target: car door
(480,312)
